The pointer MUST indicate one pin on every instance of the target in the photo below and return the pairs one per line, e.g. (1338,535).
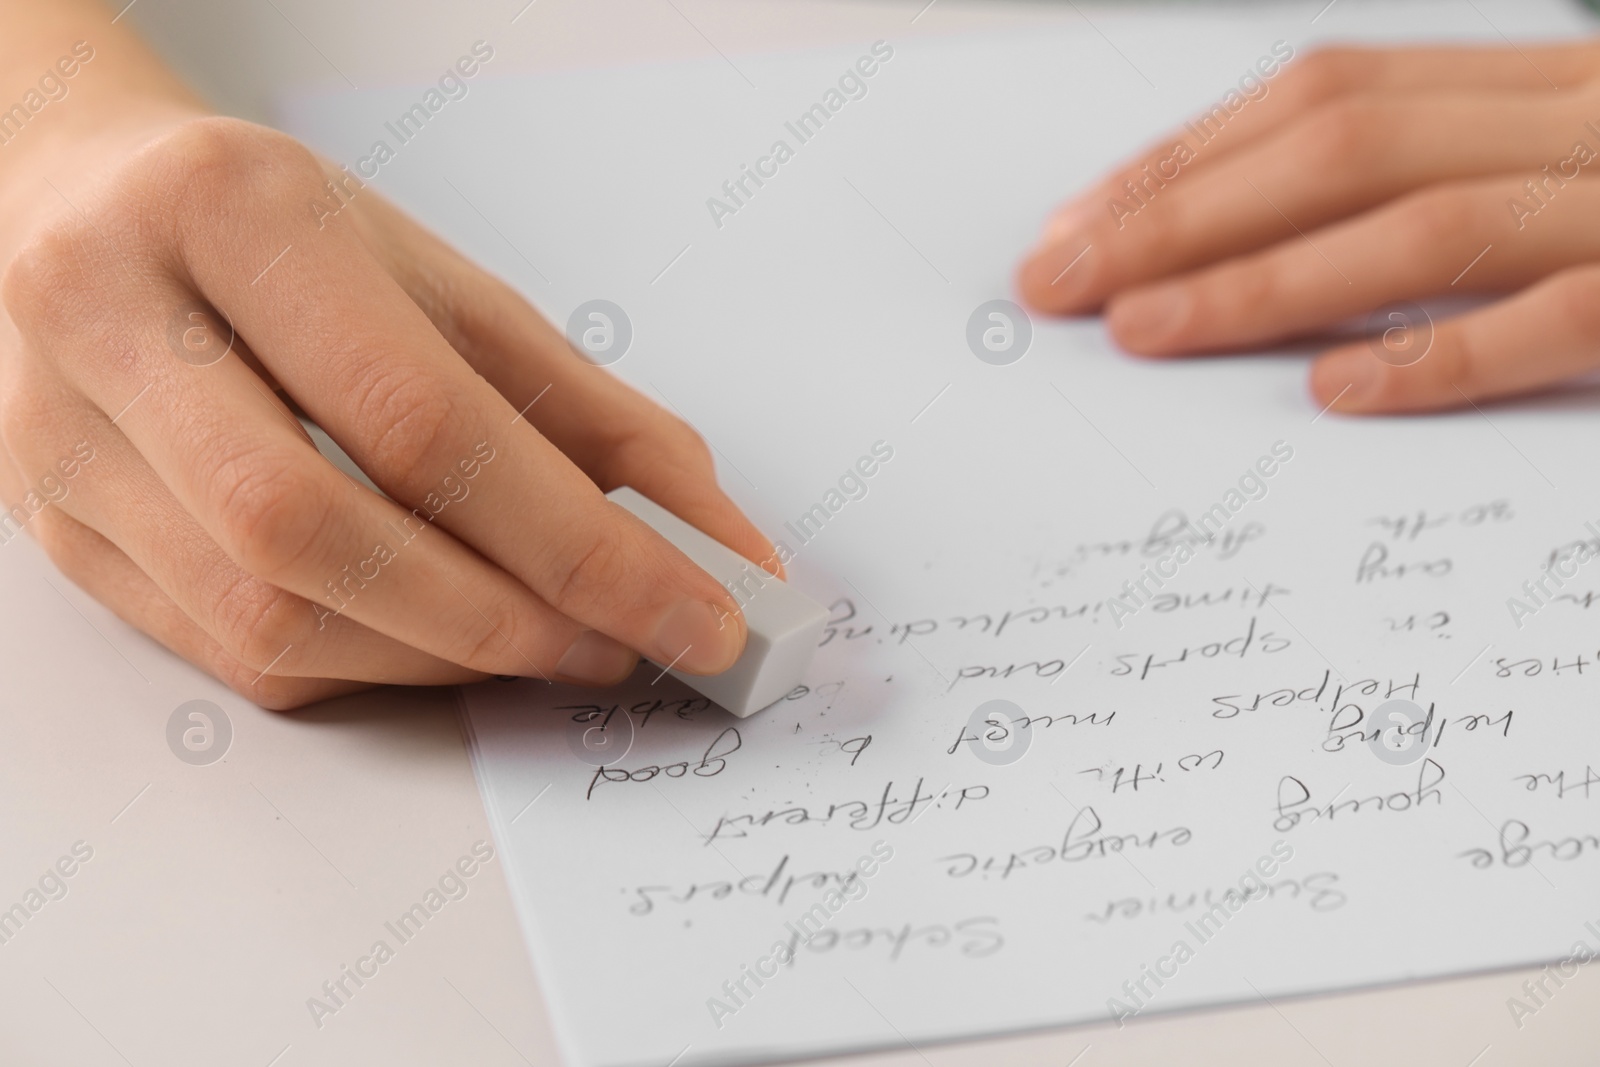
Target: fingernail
(595,659)
(771,564)
(1058,277)
(1149,318)
(1346,377)
(1069,219)
(698,637)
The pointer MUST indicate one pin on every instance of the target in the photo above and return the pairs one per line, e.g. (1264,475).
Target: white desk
(219,898)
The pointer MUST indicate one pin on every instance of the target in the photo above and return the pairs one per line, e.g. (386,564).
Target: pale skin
(207,518)
(1362,178)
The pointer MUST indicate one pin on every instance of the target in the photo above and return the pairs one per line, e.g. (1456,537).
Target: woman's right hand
(174,483)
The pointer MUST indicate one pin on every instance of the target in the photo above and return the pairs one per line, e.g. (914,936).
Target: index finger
(1283,85)
(367,364)
(615,435)
(1343,158)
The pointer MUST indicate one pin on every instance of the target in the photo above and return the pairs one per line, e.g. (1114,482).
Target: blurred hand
(1361,178)
(184,494)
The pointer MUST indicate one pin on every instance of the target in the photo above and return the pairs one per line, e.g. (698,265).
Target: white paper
(1166,757)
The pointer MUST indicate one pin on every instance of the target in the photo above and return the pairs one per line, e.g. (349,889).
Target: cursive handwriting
(1320,889)
(711,763)
(1513,850)
(856,814)
(1294,799)
(1083,840)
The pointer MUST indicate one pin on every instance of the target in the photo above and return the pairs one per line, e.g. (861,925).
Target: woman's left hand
(1357,179)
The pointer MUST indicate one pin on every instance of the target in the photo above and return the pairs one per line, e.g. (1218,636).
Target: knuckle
(1178,224)
(1347,134)
(1575,300)
(641,445)
(226,161)
(27,419)
(464,302)
(595,573)
(280,694)
(1239,290)
(274,693)
(63,541)
(1326,72)
(498,644)
(685,439)
(270,517)
(1434,220)
(409,421)
(1460,368)
(47,281)
(253,620)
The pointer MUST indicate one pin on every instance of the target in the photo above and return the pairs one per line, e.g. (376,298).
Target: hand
(184,494)
(1360,178)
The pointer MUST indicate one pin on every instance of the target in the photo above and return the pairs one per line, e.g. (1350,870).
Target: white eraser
(784,624)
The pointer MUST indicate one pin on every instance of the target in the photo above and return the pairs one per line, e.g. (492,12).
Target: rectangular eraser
(784,624)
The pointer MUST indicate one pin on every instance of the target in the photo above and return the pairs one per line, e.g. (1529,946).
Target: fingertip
(1151,321)
(1068,219)
(728,523)
(698,637)
(691,621)
(596,659)
(773,565)
(1056,277)
(1346,380)
(1023,281)
(756,547)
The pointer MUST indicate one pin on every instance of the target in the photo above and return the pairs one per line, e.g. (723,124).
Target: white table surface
(219,898)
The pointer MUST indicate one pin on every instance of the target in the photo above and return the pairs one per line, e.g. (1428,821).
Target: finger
(1543,335)
(292,520)
(105,573)
(1464,237)
(112,490)
(231,455)
(1344,158)
(1282,87)
(612,433)
(367,364)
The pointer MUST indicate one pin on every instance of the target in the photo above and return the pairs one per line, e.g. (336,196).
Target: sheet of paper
(1011,793)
